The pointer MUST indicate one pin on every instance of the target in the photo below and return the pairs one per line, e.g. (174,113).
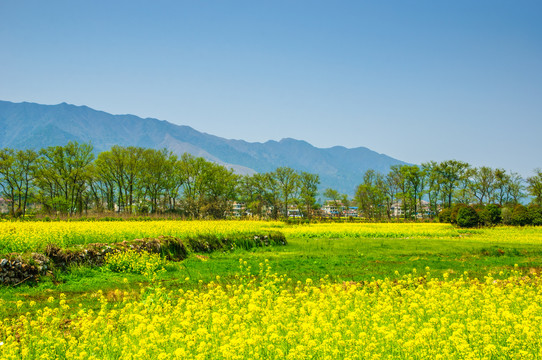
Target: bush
(455,212)
(520,216)
(483,216)
(489,215)
(494,212)
(467,217)
(535,213)
(506,214)
(444,216)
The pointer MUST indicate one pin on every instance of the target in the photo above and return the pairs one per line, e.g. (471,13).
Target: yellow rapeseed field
(34,236)
(414,317)
(31,236)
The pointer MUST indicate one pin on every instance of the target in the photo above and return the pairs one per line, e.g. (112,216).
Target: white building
(332,208)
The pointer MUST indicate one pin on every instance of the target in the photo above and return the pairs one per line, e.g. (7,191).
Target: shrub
(455,212)
(467,217)
(520,216)
(506,214)
(483,216)
(535,213)
(494,212)
(444,216)
(489,215)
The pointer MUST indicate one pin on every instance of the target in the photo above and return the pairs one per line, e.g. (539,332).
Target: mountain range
(29,125)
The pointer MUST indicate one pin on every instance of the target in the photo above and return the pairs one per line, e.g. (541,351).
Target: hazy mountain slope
(29,125)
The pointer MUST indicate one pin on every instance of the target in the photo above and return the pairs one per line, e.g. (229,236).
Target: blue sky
(416,80)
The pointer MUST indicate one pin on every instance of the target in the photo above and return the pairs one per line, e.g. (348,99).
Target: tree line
(437,188)
(71,180)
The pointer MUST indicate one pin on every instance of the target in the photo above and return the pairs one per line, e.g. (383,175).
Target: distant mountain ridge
(30,125)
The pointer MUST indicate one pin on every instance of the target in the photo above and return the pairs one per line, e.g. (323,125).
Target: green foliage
(455,212)
(67,181)
(308,192)
(494,214)
(520,216)
(411,188)
(370,195)
(287,180)
(535,187)
(450,173)
(467,217)
(445,216)
(62,175)
(506,214)
(489,215)
(17,171)
(535,214)
(483,216)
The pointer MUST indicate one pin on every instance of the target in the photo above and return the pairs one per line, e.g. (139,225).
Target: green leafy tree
(483,184)
(62,176)
(272,194)
(535,214)
(308,191)
(254,192)
(534,187)
(120,170)
(398,173)
(191,169)
(157,176)
(450,173)
(433,186)
(445,216)
(508,188)
(287,180)
(219,190)
(8,176)
(455,212)
(25,167)
(391,187)
(414,178)
(463,193)
(370,195)
(516,189)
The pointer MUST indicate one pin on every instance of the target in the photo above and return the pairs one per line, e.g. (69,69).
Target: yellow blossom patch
(269,317)
(34,236)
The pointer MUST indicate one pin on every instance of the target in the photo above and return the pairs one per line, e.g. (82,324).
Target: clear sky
(416,80)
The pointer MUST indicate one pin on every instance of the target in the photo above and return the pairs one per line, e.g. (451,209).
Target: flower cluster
(131,261)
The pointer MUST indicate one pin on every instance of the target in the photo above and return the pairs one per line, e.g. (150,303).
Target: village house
(294,212)
(238,209)
(423,210)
